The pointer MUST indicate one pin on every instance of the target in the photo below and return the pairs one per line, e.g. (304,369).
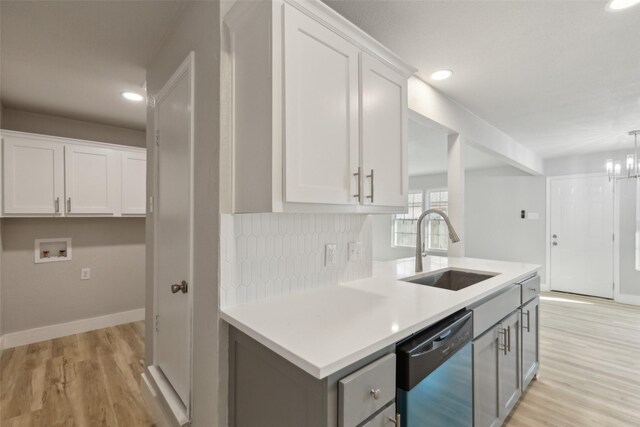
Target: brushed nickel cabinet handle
(57,204)
(509,338)
(502,347)
(359,175)
(375,393)
(69,205)
(528,314)
(371,176)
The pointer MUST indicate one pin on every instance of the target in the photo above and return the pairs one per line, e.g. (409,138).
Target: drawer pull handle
(375,393)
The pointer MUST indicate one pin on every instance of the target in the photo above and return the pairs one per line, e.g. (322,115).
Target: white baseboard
(544,287)
(30,336)
(150,398)
(627,299)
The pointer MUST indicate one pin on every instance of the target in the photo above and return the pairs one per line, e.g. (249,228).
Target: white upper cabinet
(33,176)
(92,180)
(384,119)
(316,105)
(134,179)
(321,112)
(52,176)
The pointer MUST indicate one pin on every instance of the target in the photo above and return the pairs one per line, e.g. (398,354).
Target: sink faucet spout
(452,234)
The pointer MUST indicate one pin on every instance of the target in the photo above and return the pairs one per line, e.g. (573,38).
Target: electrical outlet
(85,274)
(355,251)
(330,255)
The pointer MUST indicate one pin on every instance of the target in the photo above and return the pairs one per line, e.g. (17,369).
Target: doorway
(582,235)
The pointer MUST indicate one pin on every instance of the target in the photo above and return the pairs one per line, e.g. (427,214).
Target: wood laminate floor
(88,379)
(590,365)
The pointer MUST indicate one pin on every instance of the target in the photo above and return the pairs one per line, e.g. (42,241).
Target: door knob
(184,287)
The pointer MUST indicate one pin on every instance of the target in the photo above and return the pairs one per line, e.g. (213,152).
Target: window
(437,233)
(404,225)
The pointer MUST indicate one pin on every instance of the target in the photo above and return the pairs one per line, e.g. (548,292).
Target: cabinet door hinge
(157,137)
(157,323)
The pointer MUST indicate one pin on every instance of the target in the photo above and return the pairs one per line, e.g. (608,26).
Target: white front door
(582,235)
(173,231)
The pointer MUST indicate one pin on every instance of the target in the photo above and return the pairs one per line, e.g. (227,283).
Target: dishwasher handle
(425,352)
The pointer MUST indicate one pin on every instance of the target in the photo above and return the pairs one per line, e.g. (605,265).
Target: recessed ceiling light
(132,96)
(444,74)
(621,4)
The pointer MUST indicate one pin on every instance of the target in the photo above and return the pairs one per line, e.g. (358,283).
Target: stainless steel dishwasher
(435,375)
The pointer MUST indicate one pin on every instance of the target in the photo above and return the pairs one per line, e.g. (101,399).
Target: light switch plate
(355,251)
(330,255)
(85,274)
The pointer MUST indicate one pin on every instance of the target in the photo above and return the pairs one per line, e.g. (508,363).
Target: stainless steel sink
(451,279)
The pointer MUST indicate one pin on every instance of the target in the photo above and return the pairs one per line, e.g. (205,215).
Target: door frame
(187,66)
(616,230)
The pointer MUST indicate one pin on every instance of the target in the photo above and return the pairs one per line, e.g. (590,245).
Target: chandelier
(614,169)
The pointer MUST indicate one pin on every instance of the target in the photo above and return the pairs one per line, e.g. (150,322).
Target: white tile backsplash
(265,255)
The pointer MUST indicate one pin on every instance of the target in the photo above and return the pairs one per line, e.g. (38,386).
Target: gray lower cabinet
(386,418)
(486,360)
(509,363)
(496,372)
(530,341)
(266,390)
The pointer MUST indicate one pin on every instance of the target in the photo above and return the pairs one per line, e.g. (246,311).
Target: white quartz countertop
(324,330)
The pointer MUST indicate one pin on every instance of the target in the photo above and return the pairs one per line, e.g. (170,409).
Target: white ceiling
(561,77)
(427,145)
(73,58)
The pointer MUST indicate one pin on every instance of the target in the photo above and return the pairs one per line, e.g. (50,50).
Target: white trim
(44,333)
(74,141)
(627,299)
(616,243)
(167,397)
(544,287)
(154,407)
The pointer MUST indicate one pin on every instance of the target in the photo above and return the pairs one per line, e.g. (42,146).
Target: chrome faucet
(452,234)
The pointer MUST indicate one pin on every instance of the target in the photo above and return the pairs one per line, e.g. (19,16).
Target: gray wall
(595,163)
(37,295)
(494,229)
(25,121)
(197,30)
(113,248)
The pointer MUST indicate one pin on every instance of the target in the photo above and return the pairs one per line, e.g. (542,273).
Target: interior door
(134,182)
(321,112)
(33,176)
(92,180)
(173,230)
(384,150)
(582,235)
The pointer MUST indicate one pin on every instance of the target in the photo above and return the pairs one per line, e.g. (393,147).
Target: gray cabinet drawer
(530,289)
(497,308)
(358,391)
(386,418)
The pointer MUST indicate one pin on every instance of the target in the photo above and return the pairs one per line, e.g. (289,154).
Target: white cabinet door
(321,112)
(92,180)
(33,176)
(384,118)
(134,182)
